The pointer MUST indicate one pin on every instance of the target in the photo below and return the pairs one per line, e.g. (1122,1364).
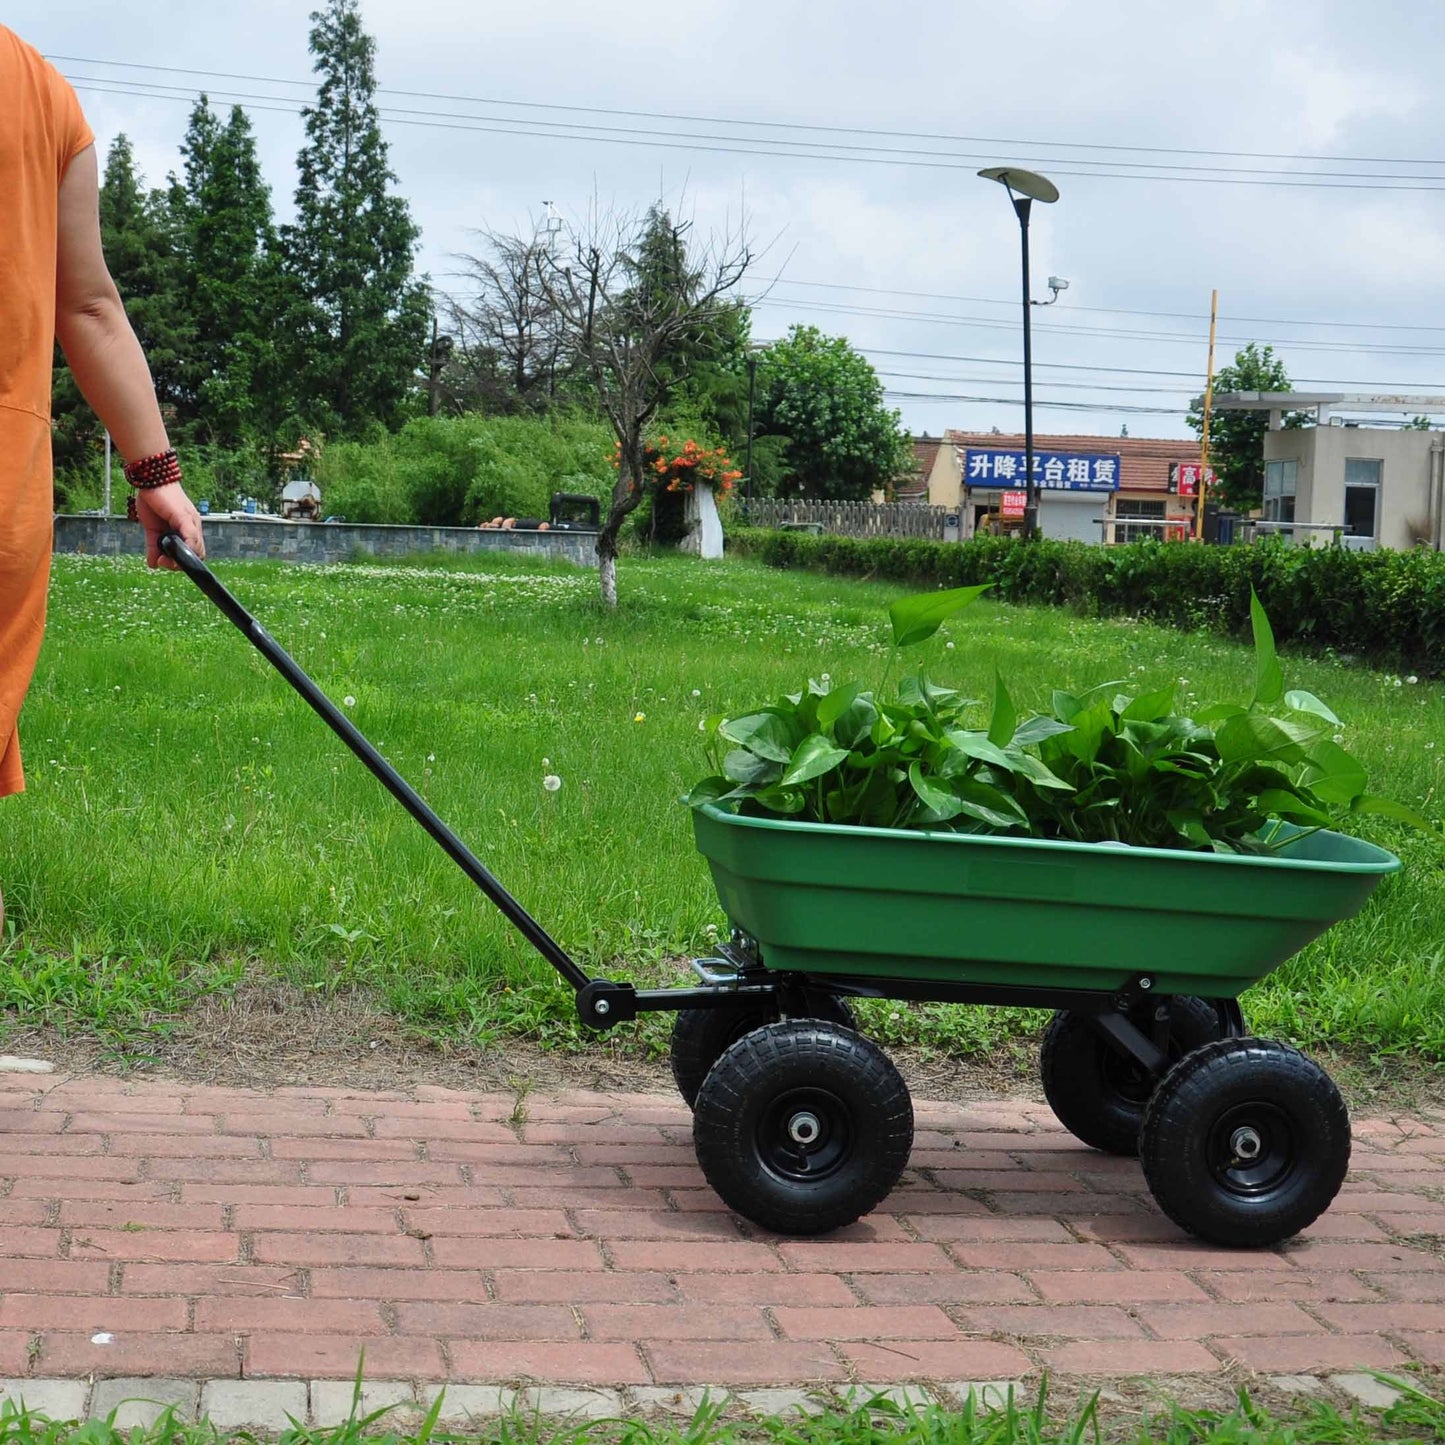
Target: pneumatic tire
(701,1036)
(1245,1142)
(1097,1092)
(803,1127)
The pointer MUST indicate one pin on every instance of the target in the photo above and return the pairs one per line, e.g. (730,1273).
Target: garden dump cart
(803,1124)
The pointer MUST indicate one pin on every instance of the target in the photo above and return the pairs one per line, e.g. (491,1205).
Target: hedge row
(1384,607)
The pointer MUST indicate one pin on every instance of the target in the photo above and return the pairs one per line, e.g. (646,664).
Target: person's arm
(106,359)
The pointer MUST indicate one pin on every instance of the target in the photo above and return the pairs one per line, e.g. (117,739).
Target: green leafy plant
(1101,767)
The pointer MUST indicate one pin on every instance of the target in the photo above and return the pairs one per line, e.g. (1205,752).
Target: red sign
(1014,504)
(1189,478)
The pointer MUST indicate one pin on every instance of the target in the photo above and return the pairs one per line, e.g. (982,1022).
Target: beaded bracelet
(157,471)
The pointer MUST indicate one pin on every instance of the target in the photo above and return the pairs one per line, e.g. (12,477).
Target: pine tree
(232,272)
(362,329)
(139,235)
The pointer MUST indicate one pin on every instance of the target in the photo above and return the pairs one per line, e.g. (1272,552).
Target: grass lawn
(190,822)
(1415,1419)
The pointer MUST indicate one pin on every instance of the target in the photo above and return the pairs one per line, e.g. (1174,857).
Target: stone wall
(326,541)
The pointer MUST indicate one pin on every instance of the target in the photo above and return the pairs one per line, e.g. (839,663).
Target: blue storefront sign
(1053,471)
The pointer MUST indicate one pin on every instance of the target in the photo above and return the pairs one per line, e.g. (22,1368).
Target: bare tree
(628,294)
(509,352)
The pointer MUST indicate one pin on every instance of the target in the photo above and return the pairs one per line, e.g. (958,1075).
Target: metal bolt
(602,1007)
(1146,983)
(804,1128)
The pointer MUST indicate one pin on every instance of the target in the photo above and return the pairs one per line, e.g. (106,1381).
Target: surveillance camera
(1057,283)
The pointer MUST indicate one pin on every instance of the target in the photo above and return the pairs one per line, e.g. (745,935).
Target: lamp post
(1024,188)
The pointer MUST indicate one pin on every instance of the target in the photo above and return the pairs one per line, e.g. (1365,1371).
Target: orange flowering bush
(680,469)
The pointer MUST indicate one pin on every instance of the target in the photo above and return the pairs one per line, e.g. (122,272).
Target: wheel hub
(806,1134)
(1253,1149)
(804,1128)
(1246,1145)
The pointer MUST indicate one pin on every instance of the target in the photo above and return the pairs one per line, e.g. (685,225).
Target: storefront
(1091,489)
(1074,488)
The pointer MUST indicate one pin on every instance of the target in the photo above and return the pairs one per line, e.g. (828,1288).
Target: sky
(1310,200)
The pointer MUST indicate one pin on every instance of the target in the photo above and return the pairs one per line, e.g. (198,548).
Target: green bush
(1384,607)
(458,471)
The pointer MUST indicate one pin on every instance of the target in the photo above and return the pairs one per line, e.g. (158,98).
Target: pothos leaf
(918,617)
(763,733)
(813,757)
(1005,720)
(1268,679)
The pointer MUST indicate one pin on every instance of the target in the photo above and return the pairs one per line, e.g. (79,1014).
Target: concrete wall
(326,541)
(1406,475)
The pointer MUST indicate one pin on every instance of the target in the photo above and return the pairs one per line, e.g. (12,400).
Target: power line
(1120,408)
(1195,376)
(769,124)
(1104,310)
(1132,334)
(805,150)
(1057,385)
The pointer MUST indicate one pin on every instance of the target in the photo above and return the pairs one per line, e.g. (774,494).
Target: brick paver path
(154,1229)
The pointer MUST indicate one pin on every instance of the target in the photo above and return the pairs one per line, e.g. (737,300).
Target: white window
(1279,488)
(1141,512)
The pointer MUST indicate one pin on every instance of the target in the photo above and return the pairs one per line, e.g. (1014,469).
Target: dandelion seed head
(551,782)
(348,701)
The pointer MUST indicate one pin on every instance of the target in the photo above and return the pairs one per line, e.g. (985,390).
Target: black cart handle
(174,548)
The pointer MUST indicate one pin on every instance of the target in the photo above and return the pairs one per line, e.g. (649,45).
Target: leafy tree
(630,301)
(1236,438)
(509,354)
(827,400)
(361,328)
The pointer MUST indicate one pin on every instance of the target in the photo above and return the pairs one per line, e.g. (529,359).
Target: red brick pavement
(164,1229)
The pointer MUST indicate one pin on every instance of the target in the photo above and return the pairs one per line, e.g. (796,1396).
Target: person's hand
(168,509)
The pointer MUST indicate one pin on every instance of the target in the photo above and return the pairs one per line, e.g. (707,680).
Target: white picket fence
(850,519)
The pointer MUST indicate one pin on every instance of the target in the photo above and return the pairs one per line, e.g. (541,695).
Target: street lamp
(1024,188)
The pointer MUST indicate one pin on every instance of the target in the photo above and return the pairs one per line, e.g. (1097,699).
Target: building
(914,486)
(1093,489)
(1339,480)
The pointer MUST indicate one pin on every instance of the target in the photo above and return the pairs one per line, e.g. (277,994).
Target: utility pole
(752,388)
(1203,487)
(435,371)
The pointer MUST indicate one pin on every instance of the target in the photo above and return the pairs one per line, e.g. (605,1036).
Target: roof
(1287,400)
(1144,462)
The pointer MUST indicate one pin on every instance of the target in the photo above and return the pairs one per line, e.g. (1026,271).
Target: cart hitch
(602,1004)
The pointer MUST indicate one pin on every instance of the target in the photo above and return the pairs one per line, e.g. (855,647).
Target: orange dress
(41,131)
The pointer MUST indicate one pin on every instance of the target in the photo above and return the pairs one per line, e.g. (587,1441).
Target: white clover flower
(948,647)
(546,764)
(1412,679)
(702,724)
(431,757)
(348,701)
(1339,737)
(697,692)
(551,782)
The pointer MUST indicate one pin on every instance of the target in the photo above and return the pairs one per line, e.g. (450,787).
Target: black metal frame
(741,976)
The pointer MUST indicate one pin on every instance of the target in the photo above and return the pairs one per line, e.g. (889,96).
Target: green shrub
(1384,607)
(458,471)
